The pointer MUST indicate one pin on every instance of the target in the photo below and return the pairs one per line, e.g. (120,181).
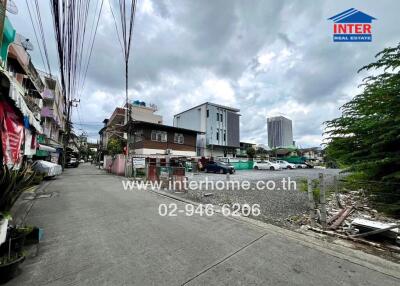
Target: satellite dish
(27,45)
(12,7)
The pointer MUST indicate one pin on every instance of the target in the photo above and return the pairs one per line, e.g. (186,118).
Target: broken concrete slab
(365,225)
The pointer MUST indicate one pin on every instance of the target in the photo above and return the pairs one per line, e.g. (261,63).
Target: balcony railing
(48,94)
(34,76)
(47,112)
(35,105)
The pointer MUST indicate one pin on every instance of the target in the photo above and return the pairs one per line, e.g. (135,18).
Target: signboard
(139,162)
(352,25)
(164,173)
(12,130)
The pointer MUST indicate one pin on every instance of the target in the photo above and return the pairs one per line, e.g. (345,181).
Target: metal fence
(170,177)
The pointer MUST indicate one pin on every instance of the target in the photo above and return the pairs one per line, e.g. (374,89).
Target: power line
(72,20)
(116,26)
(91,46)
(89,124)
(39,18)
(36,37)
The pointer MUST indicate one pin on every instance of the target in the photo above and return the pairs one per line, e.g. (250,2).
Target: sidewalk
(98,234)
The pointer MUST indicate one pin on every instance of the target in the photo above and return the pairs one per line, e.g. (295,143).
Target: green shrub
(315,187)
(12,183)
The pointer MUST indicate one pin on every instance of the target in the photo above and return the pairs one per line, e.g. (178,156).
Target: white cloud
(271,57)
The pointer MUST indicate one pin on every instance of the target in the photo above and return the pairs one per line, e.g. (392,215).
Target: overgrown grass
(315,187)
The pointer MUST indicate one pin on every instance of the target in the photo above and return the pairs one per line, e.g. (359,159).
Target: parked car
(49,169)
(309,165)
(72,162)
(285,165)
(81,161)
(266,165)
(219,167)
(301,166)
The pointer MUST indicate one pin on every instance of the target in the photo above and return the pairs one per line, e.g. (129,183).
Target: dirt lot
(278,206)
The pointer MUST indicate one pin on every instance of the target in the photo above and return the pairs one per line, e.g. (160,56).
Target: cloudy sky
(264,57)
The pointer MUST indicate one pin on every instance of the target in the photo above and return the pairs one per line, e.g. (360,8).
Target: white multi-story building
(220,125)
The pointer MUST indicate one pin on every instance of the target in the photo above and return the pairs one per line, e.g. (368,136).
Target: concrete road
(98,234)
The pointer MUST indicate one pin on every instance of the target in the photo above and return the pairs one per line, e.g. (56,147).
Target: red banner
(12,133)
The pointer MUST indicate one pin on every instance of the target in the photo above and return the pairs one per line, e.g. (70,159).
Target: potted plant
(11,255)
(9,265)
(12,183)
(32,234)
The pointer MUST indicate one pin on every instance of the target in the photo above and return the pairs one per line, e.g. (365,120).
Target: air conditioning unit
(168,151)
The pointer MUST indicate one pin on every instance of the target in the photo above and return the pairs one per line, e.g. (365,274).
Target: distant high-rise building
(280,132)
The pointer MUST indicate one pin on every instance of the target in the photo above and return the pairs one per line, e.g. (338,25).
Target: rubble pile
(350,215)
(361,209)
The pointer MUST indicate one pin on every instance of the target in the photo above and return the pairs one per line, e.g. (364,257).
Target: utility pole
(68,128)
(128,122)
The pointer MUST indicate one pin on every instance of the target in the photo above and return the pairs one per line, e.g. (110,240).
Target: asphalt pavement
(96,233)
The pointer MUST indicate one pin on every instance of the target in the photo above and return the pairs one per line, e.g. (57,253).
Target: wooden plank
(340,220)
(336,216)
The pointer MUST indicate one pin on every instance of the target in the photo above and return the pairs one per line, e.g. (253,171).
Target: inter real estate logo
(352,26)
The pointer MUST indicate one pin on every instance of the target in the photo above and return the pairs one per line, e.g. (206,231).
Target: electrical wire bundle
(75,26)
(37,25)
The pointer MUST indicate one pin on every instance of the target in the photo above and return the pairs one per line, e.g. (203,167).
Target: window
(208,113)
(219,117)
(164,137)
(224,136)
(178,138)
(139,135)
(153,135)
(160,136)
(217,135)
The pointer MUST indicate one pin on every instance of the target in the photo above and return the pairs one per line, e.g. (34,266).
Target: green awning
(8,38)
(41,153)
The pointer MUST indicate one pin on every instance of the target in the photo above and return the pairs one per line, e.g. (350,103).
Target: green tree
(261,150)
(251,152)
(115,146)
(366,138)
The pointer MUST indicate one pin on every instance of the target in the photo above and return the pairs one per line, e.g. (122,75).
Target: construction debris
(346,212)
(368,227)
(351,216)
(336,216)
